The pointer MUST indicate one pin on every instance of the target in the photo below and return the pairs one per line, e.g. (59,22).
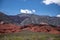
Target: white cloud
(27,11)
(47,2)
(58,16)
(33,10)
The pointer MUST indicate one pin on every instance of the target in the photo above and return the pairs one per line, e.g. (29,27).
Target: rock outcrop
(9,28)
(43,28)
(12,28)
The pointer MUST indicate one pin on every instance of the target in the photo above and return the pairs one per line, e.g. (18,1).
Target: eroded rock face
(9,28)
(12,28)
(43,28)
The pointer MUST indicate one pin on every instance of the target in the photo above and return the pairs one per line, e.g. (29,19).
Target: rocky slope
(32,22)
(9,28)
(24,19)
(12,28)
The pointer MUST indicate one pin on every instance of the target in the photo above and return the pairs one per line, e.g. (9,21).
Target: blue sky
(12,7)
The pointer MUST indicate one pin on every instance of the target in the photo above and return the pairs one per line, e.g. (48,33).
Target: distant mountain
(24,19)
(16,19)
(5,18)
(11,19)
(36,19)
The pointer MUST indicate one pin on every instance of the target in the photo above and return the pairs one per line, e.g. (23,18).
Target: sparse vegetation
(28,35)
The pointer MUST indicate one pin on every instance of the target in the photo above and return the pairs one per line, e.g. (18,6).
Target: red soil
(11,28)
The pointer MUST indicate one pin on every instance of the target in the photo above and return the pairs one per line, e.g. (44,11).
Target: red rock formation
(9,28)
(43,28)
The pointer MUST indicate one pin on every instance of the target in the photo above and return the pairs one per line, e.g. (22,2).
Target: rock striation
(12,28)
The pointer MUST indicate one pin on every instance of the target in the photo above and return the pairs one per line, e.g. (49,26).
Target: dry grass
(27,35)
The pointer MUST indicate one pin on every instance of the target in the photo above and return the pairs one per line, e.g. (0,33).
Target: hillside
(12,28)
(24,19)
